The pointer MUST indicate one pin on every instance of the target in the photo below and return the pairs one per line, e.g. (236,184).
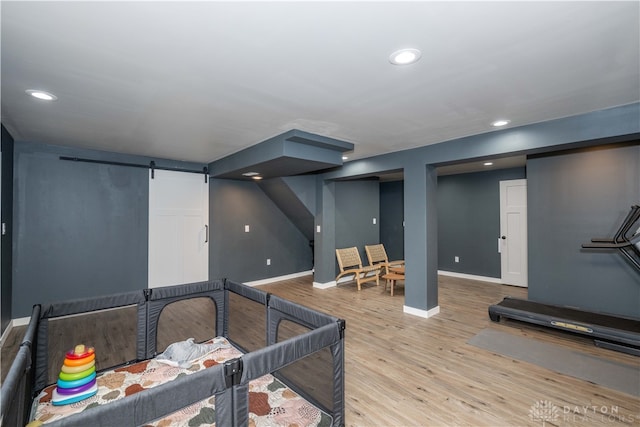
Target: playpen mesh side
(157,402)
(246,316)
(176,313)
(193,318)
(164,399)
(302,347)
(228,382)
(111,332)
(122,327)
(15,395)
(98,322)
(276,356)
(311,375)
(317,376)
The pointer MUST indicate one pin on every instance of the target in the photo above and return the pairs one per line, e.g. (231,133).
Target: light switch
(374,221)
(246,228)
(317,228)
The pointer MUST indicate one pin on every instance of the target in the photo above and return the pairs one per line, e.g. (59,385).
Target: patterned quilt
(271,403)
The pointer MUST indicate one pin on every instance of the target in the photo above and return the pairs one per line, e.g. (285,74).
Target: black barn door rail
(152,165)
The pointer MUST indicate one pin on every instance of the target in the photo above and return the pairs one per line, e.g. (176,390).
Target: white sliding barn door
(513,232)
(178,228)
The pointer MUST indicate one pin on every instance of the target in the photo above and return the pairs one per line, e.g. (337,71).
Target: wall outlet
(374,221)
(456,259)
(268,261)
(246,228)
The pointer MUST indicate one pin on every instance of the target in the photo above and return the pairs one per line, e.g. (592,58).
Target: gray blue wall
(242,256)
(469,221)
(59,205)
(613,125)
(304,187)
(391,218)
(295,197)
(573,197)
(7,219)
(80,229)
(357,203)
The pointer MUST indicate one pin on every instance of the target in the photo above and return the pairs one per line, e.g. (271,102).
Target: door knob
(503,237)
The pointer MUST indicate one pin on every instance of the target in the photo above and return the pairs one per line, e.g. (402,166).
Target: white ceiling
(199,81)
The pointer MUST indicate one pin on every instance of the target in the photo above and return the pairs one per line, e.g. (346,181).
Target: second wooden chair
(378,256)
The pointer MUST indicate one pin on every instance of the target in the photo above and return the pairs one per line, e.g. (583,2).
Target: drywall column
(421,240)
(325,239)
(6,276)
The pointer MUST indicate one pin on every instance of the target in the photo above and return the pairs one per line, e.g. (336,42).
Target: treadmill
(608,331)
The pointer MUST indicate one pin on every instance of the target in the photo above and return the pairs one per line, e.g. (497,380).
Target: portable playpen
(285,364)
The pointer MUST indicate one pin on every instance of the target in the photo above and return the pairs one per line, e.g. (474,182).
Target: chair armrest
(353,272)
(369,268)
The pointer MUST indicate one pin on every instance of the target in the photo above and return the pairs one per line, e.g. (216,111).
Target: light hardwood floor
(403,370)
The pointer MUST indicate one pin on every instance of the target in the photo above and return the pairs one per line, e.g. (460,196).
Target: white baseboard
(21,321)
(471,276)
(333,283)
(330,284)
(6,332)
(421,313)
(279,278)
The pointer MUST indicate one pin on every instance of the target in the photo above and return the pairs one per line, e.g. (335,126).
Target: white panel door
(178,228)
(512,242)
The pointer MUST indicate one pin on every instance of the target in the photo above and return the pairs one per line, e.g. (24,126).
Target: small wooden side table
(399,269)
(392,277)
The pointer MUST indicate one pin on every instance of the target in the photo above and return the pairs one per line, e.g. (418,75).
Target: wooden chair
(378,256)
(350,264)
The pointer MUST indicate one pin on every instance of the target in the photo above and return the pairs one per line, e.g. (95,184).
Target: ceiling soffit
(292,153)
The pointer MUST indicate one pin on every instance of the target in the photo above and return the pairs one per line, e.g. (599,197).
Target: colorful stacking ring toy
(80,352)
(65,376)
(77,379)
(74,369)
(76,390)
(76,383)
(80,362)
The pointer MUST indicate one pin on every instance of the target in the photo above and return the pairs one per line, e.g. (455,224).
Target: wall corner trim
(327,285)
(421,313)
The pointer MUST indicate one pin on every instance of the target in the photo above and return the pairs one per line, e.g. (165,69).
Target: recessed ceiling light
(345,158)
(250,174)
(41,94)
(499,123)
(256,177)
(488,163)
(405,56)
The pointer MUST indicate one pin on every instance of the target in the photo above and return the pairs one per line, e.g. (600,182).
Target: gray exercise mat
(607,373)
